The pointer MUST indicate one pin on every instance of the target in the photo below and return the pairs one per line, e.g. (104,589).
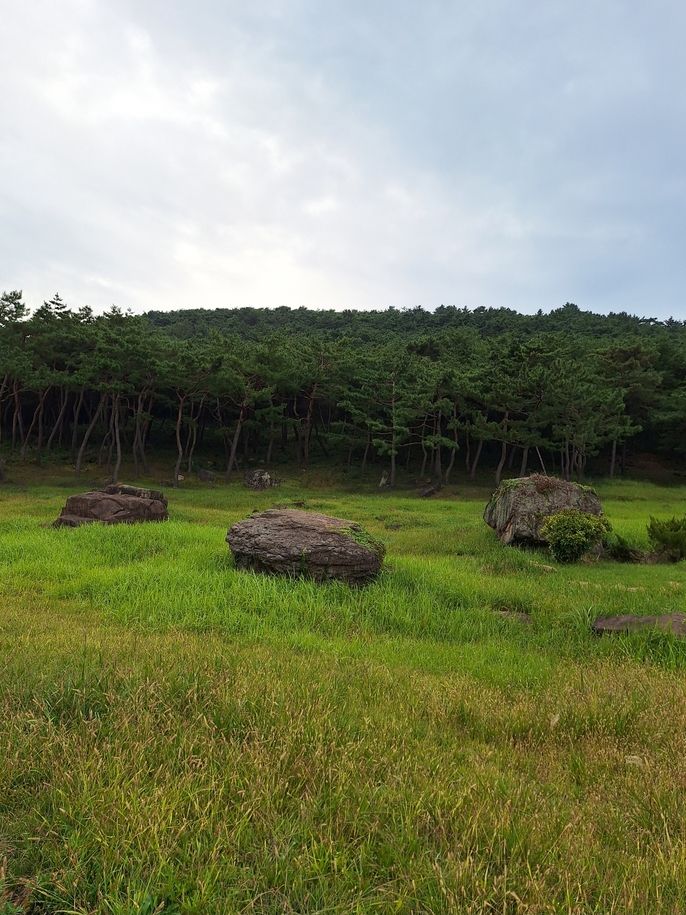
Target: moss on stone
(365,539)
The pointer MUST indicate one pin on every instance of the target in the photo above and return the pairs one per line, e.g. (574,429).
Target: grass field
(179,737)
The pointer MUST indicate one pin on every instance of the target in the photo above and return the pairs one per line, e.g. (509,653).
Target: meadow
(180,737)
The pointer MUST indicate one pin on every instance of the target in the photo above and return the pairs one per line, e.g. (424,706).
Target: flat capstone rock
(666,622)
(116,504)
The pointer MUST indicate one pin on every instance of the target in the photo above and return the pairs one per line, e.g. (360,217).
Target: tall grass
(176,736)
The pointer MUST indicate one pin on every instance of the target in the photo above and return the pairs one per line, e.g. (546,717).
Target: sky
(344,153)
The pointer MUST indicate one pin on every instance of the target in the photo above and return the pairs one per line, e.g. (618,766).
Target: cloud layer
(344,154)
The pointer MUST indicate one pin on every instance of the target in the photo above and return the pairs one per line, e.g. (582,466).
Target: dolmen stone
(115,504)
(518,508)
(667,622)
(259,479)
(293,542)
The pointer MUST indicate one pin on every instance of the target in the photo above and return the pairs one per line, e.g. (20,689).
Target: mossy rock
(292,542)
(518,508)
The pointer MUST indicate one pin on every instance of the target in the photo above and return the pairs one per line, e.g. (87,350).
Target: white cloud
(212,154)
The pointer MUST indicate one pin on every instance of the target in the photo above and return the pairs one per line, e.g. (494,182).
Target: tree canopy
(412,389)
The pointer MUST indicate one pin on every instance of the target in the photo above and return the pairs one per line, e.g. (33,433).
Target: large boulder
(116,504)
(518,508)
(292,542)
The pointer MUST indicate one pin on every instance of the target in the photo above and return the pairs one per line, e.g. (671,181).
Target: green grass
(177,736)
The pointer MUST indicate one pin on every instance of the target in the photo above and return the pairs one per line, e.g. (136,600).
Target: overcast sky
(344,153)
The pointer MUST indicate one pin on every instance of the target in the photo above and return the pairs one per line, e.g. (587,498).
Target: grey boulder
(518,508)
(292,542)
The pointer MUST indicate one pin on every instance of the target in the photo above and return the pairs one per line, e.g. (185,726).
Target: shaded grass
(177,736)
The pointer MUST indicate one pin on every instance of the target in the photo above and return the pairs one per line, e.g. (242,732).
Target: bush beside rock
(518,508)
(571,533)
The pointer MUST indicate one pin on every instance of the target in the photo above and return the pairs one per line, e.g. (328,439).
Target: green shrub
(571,533)
(668,537)
(619,549)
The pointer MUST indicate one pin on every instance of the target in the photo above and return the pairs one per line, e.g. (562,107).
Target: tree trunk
(87,434)
(613,457)
(453,454)
(145,436)
(393,437)
(501,463)
(308,427)
(3,386)
(437,470)
(107,439)
(17,419)
(319,440)
(37,418)
(270,445)
(538,452)
(475,462)
(438,465)
(366,451)
(75,422)
(194,438)
(39,442)
(137,432)
(422,442)
(234,443)
(117,439)
(179,443)
(525,459)
(59,420)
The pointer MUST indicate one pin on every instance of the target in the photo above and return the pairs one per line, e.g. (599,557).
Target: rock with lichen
(292,542)
(519,507)
(116,504)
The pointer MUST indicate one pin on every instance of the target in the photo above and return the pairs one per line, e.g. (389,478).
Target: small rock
(666,622)
(430,490)
(259,479)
